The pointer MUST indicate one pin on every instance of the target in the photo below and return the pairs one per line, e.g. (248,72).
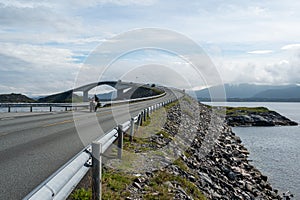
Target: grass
(142,137)
(187,99)
(82,194)
(172,104)
(159,190)
(233,111)
(181,165)
(115,183)
(187,112)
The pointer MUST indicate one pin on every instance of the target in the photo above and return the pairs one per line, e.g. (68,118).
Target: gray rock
(137,185)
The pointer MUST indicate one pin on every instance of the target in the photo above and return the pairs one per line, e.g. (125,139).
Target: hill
(291,92)
(107,96)
(64,97)
(15,98)
(252,92)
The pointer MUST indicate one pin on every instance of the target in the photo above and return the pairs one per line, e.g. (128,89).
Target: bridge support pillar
(119,93)
(85,96)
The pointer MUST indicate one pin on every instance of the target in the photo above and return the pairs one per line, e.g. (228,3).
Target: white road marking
(7,118)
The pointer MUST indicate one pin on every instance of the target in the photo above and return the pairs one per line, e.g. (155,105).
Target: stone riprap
(216,161)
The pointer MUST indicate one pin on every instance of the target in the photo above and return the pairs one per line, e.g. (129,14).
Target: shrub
(82,194)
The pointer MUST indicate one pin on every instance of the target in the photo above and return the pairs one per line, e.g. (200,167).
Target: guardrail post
(66,108)
(140,123)
(120,141)
(144,113)
(148,111)
(131,130)
(8,108)
(96,169)
(30,108)
(50,108)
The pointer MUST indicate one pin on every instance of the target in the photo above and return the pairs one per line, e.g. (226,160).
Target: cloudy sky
(45,43)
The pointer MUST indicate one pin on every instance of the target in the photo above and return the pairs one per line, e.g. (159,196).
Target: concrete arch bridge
(125,90)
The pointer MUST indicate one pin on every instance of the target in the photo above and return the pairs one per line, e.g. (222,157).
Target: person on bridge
(92,105)
(97,102)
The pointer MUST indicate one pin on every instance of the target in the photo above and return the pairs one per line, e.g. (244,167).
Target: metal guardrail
(60,184)
(72,105)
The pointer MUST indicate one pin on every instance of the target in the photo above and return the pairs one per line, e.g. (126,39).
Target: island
(256,116)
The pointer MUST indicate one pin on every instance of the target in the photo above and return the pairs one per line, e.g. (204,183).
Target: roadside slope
(213,166)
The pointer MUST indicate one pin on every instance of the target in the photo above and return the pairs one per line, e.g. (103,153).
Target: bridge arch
(120,86)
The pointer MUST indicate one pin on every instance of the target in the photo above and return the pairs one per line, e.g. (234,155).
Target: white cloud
(260,52)
(36,69)
(39,55)
(25,4)
(51,37)
(89,3)
(269,70)
(291,46)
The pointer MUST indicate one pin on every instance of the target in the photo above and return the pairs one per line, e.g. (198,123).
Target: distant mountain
(36,97)
(15,98)
(107,96)
(252,92)
(64,97)
(291,93)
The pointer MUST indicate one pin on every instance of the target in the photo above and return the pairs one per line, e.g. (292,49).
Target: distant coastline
(250,100)
(249,93)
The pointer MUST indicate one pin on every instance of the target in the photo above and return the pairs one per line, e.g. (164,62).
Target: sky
(45,45)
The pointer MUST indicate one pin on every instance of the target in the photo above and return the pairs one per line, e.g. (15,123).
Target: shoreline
(220,170)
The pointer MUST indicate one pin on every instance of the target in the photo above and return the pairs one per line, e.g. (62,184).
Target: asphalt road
(33,147)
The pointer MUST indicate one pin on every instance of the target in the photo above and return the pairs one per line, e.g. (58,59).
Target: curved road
(33,147)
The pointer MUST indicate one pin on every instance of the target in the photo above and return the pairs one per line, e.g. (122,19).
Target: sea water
(275,151)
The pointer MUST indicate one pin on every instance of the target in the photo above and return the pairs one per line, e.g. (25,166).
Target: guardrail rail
(61,183)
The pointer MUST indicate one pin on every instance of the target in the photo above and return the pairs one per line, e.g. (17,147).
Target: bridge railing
(71,106)
(61,183)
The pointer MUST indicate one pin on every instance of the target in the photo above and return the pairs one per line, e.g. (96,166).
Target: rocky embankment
(259,116)
(215,162)
(209,161)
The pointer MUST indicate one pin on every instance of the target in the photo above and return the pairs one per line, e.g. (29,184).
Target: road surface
(32,147)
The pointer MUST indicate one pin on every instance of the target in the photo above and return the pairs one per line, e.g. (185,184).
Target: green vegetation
(156,91)
(162,185)
(152,126)
(82,194)
(164,134)
(187,112)
(179,162)
(64,97)
(234,111)
(187,99)
(115,184)
(160,190)
(170,105)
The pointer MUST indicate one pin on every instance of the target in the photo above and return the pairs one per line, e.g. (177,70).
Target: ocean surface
(275,151)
